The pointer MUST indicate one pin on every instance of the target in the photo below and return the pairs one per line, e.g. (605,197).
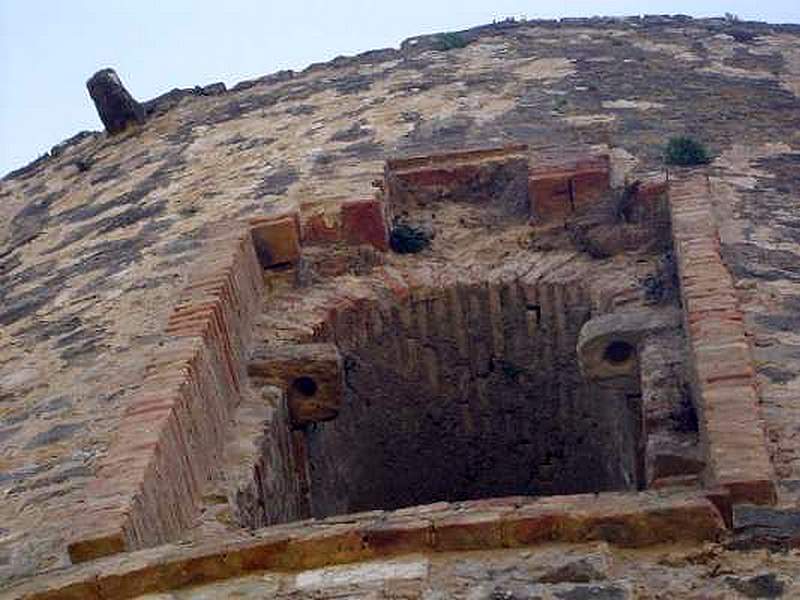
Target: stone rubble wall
(96,240)
(419,44)
(559,572)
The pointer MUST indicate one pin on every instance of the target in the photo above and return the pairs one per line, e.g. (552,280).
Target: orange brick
(399,534)
(277,241)
(468,530)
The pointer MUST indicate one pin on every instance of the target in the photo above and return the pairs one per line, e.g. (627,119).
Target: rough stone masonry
(217,379)
(115,105)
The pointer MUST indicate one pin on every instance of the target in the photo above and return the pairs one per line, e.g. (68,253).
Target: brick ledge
(624,519)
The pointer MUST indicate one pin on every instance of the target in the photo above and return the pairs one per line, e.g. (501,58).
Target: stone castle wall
(97,242)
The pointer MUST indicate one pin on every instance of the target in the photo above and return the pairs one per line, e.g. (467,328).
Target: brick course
(352,222)
(628,520)
(724,380)
(171,434)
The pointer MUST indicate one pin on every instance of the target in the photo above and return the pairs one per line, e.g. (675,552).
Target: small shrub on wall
(685,151)
(451,41)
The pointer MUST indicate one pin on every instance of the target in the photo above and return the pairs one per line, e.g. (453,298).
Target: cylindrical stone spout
(116,107)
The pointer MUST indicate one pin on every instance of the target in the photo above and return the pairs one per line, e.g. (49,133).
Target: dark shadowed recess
(450,425)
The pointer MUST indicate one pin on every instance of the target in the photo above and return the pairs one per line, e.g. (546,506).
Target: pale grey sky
(48,48)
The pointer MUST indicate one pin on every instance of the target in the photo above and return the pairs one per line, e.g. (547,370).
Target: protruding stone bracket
(115,105)
(608,345)
(311,374)
(276,238)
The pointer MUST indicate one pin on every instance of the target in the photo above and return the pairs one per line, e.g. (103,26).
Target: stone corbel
(311,374)
(608,345)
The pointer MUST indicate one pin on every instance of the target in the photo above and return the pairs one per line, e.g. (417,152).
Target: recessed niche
(460,396)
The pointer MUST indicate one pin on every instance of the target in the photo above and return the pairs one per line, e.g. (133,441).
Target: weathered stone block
(763,585)
(397,534)
(311,374)
(324,545)
(764,527)
(470,530)
(568,568)
(629,520)
(276,239)
(116,107)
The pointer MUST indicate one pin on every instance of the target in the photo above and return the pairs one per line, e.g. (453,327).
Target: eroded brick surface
(256,481)
(624,520)
(724,382)
(149,484)
(276,239)
(494,178)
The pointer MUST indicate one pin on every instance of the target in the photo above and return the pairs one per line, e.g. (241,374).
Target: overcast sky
(48,48)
